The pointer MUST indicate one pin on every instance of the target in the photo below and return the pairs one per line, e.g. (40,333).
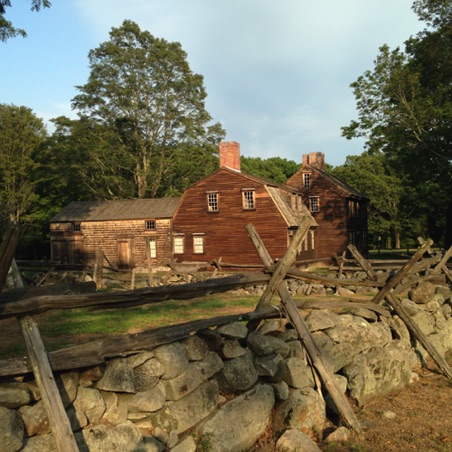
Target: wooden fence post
(8,250)
(58,420)
(317,358)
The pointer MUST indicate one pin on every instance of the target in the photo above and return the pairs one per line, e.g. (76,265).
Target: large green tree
(405,110)
(142,88)
(21,135)
(276,169)
(7,29)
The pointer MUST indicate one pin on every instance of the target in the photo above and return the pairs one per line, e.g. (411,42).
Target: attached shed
(125,230)
(340,210)
(210,222)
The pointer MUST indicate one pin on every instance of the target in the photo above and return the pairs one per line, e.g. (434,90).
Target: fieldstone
(303,410)
(90,402)
(366,314)
(238,424)
(100,438)
(77,419)
(273,326)
(425,322)
(118,377)
(90,376)
(150,444)
(195,348)
(379,370)
(423,293)
(235,330)
(184,413)
(35,419)
(281,389)
(289,335)
(173,358)
(296,350)
(321,319)
(213,339)
(296,373)
(186,445)
(293,440)
(147,374)
(183,384)
(209,366)
(266,345)
(148,401)
(68,386)
(267,366)
(344,292)
(399,330)
(115,412)
(238,374)
(140,358)
(341,382)
(410,307)
(42,443)
(232,349)
(340,435)
(14,395)
(11,430)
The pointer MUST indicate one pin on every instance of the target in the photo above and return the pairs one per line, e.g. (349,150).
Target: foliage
(405,111)
(142,90)
(21,135)
(7,30)
(274,169)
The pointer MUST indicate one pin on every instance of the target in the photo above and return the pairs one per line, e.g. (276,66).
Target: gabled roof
(334,180)
(130,209)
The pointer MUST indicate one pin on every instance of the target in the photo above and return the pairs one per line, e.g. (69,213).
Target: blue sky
(277,72)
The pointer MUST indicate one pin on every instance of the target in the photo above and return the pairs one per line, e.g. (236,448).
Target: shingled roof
(130,209)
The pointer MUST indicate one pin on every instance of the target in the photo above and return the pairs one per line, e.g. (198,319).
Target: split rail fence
(24,302)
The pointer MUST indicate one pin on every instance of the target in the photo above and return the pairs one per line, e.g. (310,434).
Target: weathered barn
(340,211)
(128,231)
(210,222)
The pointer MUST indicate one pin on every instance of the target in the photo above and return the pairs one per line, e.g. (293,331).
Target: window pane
(153,248)
(149,225)
(306,180)
(248,199)
(314,204)
(198,244)
(212,202)
(178,245)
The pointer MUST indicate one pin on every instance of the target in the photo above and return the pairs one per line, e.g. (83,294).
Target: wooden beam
(58,420)
(409,322)
(318,360)
(7,251)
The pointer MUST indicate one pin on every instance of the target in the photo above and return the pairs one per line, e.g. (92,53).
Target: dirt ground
(417,418)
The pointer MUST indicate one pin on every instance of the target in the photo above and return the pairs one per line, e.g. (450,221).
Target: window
(149,225)
(153,248)
(179,244)
(314,203)
(198,243)
(306,180)
(76,227)
(212,202)
(248,199)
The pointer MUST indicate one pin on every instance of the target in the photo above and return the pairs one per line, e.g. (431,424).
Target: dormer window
(306,180)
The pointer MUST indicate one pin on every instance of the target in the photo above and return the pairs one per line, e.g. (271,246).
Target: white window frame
(152,244)
(314,204)
(213,201)
(178,244)
(248,198)
(307,180)
(198,243)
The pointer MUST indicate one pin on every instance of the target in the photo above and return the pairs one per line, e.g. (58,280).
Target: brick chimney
(316,159)
(230,154)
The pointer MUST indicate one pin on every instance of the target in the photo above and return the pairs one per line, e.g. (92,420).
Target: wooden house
(340,211)
(211,219)
(129,232)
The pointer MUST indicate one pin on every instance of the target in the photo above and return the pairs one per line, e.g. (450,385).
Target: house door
(125,253)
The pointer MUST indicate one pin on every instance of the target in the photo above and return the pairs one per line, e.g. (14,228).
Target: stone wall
(222,389)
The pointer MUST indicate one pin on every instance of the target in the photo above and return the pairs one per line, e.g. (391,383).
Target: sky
(277,72)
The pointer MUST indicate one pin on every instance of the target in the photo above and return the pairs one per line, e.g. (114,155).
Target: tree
(141,88)
(276,169)
(405,111)
(7,30)
(21,135)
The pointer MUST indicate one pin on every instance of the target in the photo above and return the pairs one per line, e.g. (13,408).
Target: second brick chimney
(230,154)
(316,159)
